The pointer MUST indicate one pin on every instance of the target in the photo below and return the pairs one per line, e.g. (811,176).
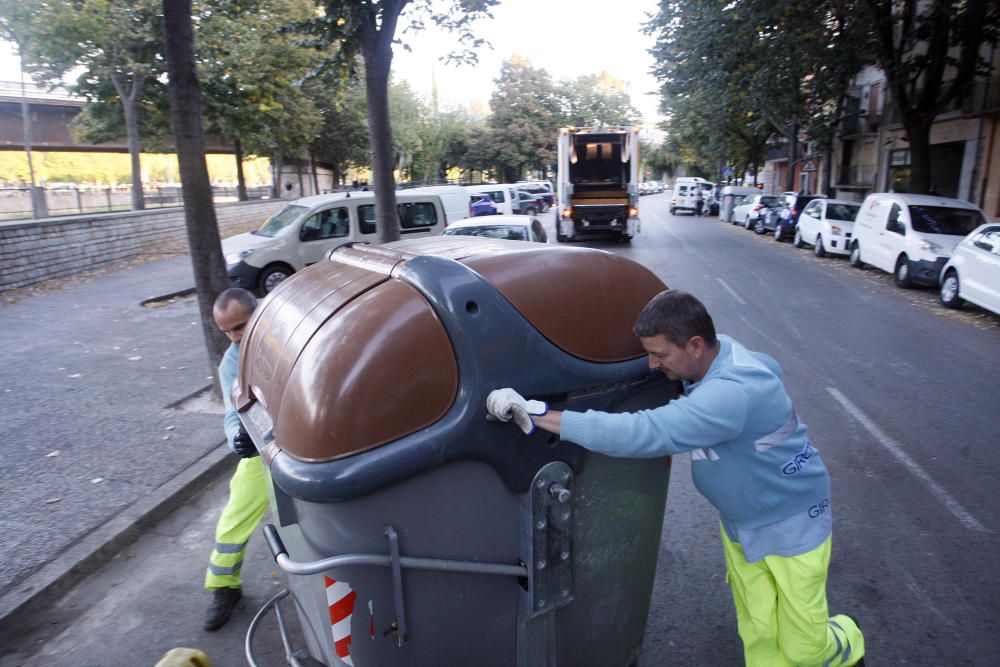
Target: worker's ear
(696,346)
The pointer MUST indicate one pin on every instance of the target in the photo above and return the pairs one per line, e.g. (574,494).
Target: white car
(746,212)
(509,227)
(911,236)
(826,225)
(973,271)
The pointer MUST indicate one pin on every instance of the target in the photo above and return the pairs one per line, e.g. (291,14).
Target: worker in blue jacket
(751,458)
(248,497)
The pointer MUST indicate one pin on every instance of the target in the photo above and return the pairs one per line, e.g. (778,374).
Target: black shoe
(223,601)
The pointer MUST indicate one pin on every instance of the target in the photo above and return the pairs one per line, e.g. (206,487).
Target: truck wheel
(673,211)
(530,210)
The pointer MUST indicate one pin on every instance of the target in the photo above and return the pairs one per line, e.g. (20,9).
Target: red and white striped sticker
(340,599)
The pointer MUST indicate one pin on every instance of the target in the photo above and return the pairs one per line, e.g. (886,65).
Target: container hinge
(551,579)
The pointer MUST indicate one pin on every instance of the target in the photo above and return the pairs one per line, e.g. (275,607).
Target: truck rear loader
(598,182)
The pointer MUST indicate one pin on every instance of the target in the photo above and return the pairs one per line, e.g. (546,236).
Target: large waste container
(413,531)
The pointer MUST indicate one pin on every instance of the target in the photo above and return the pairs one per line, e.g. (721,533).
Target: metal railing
(15,203)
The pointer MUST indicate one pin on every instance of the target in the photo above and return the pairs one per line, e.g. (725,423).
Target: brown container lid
(346,357)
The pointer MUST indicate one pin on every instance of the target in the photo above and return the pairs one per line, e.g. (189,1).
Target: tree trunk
(793,154)
(241,179)
(378,60)
(277,165)
(128,99)
(919,134)
(315,176)
(199,212)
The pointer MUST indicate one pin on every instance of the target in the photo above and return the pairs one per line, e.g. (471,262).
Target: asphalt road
(898,394)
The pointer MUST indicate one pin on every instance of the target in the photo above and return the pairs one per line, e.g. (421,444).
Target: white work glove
(507,404)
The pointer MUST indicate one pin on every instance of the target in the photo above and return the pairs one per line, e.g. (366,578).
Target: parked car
(527,203)
(307,230)
(973,271)
(911,236)
(509,227)
(782,223)
(481,204)
(542,190)
(748,210)
(827,225)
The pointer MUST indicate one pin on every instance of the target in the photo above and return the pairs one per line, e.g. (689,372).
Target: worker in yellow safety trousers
(750,457)
(248,497)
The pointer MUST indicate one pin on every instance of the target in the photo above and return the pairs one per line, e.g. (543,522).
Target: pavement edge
(91,552)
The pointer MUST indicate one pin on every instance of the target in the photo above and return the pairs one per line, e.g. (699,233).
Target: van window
(411,215)
(417,215)
(682,190)
(845,212)
(496,196)
(280,220)
(329,224)
(893,224)
(944,220)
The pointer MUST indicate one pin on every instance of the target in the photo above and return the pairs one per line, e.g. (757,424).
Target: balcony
(856,176)
(859,125)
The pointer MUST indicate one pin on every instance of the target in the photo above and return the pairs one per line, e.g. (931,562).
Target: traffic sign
(728,171)
(810,165)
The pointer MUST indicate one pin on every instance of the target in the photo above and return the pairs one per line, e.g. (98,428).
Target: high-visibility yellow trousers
(248,500)
(782,613)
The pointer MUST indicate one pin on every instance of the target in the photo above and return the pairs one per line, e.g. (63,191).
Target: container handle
(290,566)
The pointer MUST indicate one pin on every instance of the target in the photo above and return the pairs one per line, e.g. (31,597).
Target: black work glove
(243,445)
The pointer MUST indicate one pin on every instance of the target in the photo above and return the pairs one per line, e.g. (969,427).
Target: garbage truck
(598,176)
(413,531)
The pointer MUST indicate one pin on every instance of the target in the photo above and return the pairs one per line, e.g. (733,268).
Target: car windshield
(944,220)
(773,202)
(280,220)
(509,232)
(846,212)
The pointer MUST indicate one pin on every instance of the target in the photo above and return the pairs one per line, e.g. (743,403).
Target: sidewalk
(94,447)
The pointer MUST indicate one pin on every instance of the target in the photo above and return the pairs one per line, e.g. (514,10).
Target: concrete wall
(39,250)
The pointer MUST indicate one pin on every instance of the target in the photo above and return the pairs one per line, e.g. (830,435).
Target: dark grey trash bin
(414,532)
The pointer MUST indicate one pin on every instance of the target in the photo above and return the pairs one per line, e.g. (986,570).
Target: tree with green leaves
(368,29)
(250,68)
(116,42)
(598,99)
(525,121)
(930,50)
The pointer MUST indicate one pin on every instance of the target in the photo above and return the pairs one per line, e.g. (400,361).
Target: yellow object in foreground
(184,657)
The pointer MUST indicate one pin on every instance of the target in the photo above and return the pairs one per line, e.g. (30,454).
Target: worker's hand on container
(243,445)
(506,405)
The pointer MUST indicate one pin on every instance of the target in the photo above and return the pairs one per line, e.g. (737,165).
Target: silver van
(307,230)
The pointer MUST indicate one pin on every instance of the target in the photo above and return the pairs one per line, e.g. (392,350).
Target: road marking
(896,449)
(732,291)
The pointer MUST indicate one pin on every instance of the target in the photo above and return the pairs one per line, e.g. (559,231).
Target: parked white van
(454,198)
(683,197)
(306,230)
(911,236)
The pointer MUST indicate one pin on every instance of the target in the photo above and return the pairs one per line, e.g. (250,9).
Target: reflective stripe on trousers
(782,612)
(248,500)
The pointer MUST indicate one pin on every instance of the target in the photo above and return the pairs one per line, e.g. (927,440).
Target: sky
(567,38)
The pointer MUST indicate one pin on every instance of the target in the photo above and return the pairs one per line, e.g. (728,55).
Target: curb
(91,552)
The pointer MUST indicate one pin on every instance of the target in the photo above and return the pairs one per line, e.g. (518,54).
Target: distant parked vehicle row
(919,239)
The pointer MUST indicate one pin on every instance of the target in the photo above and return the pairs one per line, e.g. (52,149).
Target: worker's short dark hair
(678,316)
(244,297)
